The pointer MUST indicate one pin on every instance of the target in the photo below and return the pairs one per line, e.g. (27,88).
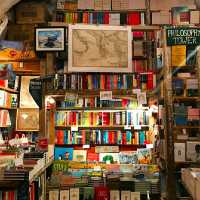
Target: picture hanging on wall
(27,119)
(93,48)
(50,39)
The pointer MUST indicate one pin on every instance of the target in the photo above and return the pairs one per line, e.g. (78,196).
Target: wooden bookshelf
(8,108)
(9,90)
(94,145)
(97,11)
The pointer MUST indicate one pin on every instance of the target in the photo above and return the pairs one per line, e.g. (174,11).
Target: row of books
(7,99)
(90,193)
(101,5)
(4,118)
(186,115)
(95,102)
(141,156)
(10,84)
(145,81)
(96,118)
(132,18)
(9,195)
(104,137)
(188,87)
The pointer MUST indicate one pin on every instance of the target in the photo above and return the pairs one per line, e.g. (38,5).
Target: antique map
(100,48)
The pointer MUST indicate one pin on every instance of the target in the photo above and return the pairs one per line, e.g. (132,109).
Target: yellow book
(178,55)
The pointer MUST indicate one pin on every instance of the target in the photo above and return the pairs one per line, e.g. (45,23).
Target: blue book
(60,153)
(141,137)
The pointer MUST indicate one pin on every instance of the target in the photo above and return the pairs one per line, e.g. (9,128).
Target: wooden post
(170,164)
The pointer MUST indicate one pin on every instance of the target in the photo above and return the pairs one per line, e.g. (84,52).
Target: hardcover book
(179,152)
(54,195)
(128,157)
(80,155)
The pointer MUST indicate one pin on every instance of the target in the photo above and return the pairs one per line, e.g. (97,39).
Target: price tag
(136,91)
(137,127)
(86,146)
(74,128)
(105,95)
(149,146)
(97,168)
(127,127)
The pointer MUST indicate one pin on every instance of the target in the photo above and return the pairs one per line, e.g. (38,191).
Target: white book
(54,195)
(125,195)
(179,152)
(135,195)
(74,193)
(64,194)
(194,16)
(191,153)
(114,195)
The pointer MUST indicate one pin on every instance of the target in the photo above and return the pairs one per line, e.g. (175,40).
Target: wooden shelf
(7,108)
(93,145)
(102,127)
(181,98)
(40,171)
(114,109)
(8,90)
(186,127)
(94,11)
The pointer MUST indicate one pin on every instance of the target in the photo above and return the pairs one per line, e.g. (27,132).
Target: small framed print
(50,39)
(27,119)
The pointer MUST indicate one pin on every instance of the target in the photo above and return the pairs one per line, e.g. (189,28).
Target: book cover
(179,152)
(101,193)
(54,195)
(144,156)
(62,153)
(128,157)
(114,195)
(109,158)
(88,193)
(74,193)
(64,194)
(135,195)
(179,55)
(180,15)
(80,155)
(193,151)
(92,157)
(125,195)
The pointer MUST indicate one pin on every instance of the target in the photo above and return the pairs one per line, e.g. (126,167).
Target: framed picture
(99,48)
(50,39)
(27,119)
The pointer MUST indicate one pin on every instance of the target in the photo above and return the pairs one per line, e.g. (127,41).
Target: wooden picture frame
(27,119)
(99,48)
(50,39)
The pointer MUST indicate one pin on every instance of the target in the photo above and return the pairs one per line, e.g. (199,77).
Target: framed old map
(98,48)
(27,119)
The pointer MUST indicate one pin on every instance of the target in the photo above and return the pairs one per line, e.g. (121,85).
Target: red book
(108,82)
(106,118)
(109,137)
(150,81)
(123,138)
(138,34)
(135,18)
(106,18)
(92,157)
(102,193)
(60,136)
(2,83)
(103,81)
(84,82)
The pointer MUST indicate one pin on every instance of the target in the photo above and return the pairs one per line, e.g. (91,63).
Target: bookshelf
(179,108)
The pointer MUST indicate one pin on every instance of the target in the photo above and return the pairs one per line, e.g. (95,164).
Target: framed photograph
(27,119)
(50,39)
(99,48)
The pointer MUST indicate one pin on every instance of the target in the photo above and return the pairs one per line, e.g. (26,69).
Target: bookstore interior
(100,100)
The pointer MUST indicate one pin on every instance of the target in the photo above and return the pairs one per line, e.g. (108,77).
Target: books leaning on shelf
(8,100)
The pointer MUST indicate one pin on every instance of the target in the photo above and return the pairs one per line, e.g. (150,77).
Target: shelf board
(114,109)
(8,90)
(186,127)
(93,145)
(94,11)
(101,127)
(181,98)
(7,108)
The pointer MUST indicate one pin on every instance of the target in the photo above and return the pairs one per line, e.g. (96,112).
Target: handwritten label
(106,95)
(183,36)
(74,128)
